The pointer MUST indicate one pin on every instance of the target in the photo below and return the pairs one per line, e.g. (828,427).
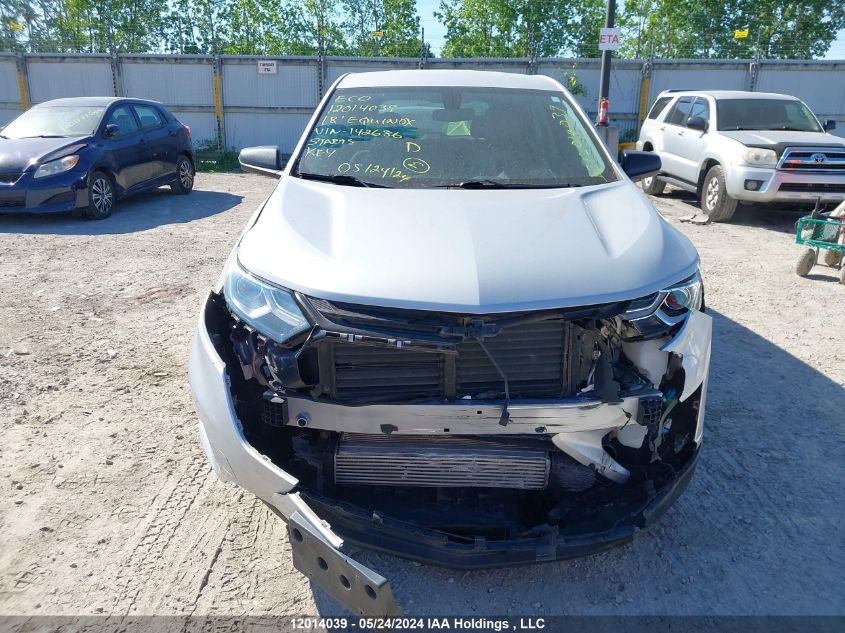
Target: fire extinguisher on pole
(603,117)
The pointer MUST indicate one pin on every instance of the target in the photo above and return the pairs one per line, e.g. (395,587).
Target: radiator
(532,355)
(449,462)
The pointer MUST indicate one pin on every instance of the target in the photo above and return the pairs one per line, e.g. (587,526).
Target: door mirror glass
(111,131)
(829,125)
(640,164)
(264,160)
(697,123)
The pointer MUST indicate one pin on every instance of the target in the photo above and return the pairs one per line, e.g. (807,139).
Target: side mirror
(264,160)
(111,130)
(640,164)
(829,125)
(697,123)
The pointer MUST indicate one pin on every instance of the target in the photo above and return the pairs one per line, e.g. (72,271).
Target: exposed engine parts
(355,360)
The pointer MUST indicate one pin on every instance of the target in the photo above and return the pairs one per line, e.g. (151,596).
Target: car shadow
(140,212)
(775,217)
(763,515)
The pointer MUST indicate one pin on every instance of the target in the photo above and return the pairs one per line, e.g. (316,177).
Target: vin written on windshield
(445,136)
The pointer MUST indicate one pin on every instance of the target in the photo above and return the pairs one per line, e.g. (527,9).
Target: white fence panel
(186,82)
(295,84)
(244,129)
(694,76)
(59,76)
(9,95)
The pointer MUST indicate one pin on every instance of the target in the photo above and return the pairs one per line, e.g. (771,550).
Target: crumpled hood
(465,250)
(782,138)
(18,154)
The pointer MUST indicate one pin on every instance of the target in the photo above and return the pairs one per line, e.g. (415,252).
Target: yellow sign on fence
(378,33)
(740,33)
(15,26)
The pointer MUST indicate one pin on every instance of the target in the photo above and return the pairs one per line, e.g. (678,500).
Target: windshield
(765,114)
(449,137)
(55,121)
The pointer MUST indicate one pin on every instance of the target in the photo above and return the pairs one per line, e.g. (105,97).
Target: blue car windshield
(423,137)
(55,121)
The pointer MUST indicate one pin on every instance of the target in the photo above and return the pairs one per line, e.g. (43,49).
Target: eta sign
(610,39)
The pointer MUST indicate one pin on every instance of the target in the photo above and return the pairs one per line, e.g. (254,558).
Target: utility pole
(604,89)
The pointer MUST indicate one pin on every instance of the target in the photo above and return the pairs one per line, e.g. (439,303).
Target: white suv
(733,146)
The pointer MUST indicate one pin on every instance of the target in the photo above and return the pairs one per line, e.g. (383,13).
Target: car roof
(728,94)
(457,78)
(93,101)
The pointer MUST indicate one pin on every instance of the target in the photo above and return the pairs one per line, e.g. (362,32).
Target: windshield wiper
(339,179)
(45,136)
(486,183)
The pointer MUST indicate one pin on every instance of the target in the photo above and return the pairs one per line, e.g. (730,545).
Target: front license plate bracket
(356,587)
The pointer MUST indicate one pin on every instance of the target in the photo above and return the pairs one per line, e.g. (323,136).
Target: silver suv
(733,146)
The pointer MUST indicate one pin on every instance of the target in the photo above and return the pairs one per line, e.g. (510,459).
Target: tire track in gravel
(164,528)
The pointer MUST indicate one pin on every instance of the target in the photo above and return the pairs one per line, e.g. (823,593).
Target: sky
(435,32)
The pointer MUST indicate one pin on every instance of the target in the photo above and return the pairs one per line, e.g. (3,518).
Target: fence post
(116,75)
(217,79)
(321,74)
(645,85)
(23,83)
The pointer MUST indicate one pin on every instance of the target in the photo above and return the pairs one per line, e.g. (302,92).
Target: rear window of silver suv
(658,107)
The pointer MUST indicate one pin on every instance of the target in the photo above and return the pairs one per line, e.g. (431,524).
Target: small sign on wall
(267,67)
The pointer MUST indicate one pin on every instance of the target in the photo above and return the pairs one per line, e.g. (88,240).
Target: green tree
(397,19)
(312,26)
(518,28)
(778,29)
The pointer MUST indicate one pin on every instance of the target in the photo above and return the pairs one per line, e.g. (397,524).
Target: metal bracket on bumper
(354,586)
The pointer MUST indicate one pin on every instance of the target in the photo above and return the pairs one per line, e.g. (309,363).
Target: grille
(812,187)
(532,356)
(814,159)
(451,461)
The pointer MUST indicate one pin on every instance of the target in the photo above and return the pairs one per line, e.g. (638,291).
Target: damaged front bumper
(321,528)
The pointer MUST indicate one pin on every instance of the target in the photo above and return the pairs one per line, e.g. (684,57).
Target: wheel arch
(104,167)
(705,167)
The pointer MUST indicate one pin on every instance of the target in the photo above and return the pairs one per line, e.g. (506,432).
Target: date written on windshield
(373,169)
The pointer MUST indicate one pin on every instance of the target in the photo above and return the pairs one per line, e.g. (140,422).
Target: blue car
(83,154)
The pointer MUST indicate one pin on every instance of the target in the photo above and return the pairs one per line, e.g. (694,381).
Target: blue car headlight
(270,310)
(57,166)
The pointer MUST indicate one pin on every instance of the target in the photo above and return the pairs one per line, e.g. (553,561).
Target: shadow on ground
(141,212)
(779,217)
(759,531)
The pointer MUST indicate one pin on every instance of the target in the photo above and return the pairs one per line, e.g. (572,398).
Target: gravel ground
(109,507)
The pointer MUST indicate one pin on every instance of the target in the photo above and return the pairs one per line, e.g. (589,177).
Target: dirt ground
(108,505)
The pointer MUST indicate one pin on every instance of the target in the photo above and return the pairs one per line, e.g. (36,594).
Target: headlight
(271,310)
(653,315)
(760,157)
(57,166)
